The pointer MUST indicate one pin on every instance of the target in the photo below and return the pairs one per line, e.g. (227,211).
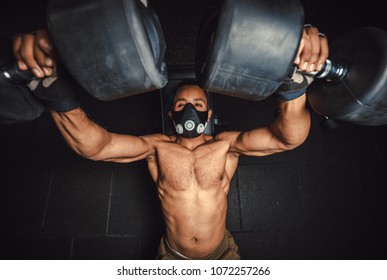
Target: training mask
(189,122)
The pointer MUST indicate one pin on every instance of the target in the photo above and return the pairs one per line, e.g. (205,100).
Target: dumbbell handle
(331,72)
(14,74)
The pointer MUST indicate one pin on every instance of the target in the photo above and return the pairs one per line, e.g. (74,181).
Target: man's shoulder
(155,138)
(226,135)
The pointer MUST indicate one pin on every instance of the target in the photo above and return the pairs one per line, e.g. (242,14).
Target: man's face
(190,94)
(190,114)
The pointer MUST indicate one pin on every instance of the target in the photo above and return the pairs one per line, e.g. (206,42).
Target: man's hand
(35,51)
(313,50)
(55,87)
(311,56)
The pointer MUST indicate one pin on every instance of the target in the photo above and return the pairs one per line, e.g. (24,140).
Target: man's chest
(204,165)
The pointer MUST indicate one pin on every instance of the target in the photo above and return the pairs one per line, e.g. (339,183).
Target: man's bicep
(126,148)
(257,142)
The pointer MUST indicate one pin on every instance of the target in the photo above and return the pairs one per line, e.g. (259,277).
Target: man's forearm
(84,136)
(293,122)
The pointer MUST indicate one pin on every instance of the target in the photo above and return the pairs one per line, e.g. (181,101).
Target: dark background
(323,200)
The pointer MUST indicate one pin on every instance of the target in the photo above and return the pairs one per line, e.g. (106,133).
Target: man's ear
(209,114)
(170,115)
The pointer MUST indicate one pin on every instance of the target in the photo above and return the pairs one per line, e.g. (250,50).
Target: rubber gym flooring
(324,200)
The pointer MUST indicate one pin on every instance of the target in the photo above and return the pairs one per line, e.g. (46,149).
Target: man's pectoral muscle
(193,187)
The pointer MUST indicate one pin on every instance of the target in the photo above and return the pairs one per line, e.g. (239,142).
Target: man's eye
(198,105)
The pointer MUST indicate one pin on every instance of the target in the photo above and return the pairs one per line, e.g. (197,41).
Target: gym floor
(324,200)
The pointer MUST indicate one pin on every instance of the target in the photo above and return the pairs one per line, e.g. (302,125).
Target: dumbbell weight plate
(246,48)
(361,95)
(113,48)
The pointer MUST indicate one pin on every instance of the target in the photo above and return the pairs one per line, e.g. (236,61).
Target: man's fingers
(315,48)
(44,51)
(17,43)
(28,55)
(305,53)
(45,62)
(324,51)
(297,59)
(34,51)
(44,43)
(39,57)
(314,51)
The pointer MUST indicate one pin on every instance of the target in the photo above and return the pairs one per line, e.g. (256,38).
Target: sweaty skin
(193,186)
(192,175)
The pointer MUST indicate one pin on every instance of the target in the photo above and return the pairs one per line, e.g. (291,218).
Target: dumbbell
(246,48)
(112,48)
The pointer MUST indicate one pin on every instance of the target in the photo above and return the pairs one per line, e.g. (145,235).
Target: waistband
(216,254)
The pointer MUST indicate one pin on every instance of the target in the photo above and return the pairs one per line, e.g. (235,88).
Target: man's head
(189,112)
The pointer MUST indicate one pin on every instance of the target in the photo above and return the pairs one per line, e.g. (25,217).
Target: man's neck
(191,143)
